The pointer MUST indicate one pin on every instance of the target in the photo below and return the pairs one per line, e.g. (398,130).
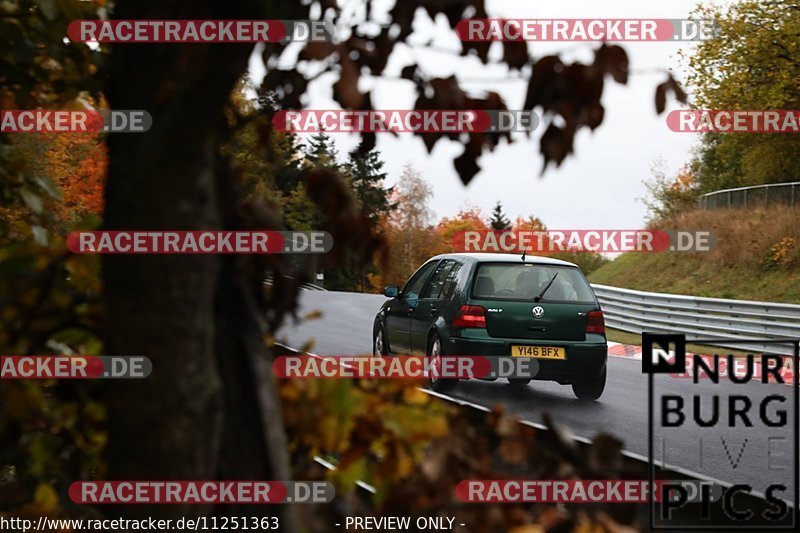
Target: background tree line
(753,63)
(401,214)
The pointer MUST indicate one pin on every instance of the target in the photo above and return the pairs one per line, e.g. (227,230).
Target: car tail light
(470,316)
(595,323)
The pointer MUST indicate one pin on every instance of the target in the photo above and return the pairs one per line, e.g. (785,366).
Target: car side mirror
(392,291)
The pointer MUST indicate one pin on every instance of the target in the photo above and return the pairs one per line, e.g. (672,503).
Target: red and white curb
(630,351)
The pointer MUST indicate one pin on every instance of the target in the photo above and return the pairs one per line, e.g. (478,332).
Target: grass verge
(756,257)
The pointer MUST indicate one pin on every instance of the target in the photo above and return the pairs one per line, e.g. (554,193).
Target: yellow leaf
(46,498)
(414,395)
(313,315)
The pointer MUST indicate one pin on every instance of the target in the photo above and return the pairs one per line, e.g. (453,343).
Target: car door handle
(434,310)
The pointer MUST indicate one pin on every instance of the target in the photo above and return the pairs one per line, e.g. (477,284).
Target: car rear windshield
(510,281)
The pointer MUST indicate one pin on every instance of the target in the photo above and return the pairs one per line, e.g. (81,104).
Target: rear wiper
(545,289)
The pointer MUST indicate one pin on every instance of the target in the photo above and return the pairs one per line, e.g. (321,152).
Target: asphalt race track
(734,455)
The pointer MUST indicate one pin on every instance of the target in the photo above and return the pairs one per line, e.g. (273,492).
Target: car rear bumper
(584,359)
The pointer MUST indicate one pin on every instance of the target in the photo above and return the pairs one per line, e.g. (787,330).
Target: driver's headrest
(484,286)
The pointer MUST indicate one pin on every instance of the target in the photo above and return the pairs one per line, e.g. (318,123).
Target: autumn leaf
(515,54)
(345,90)
(45,498)
(612,60)
(555,144)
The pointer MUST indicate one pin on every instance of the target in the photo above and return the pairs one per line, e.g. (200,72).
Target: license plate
(540,352)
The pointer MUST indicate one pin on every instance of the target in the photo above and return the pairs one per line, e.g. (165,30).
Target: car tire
(435,350)
(591,389)
(519,382)
(379,345)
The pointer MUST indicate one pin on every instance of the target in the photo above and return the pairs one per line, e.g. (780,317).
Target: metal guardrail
(304,286)
(770,194)
(701,318)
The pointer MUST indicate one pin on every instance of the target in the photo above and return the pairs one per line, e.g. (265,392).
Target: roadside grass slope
(757,257)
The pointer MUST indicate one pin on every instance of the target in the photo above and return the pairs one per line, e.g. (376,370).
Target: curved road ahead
(733,455)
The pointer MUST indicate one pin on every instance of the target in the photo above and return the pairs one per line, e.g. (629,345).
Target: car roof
(506,258)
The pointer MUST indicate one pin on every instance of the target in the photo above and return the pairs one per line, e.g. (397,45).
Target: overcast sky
(600,186)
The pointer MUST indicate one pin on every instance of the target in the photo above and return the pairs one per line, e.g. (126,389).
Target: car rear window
(523,282)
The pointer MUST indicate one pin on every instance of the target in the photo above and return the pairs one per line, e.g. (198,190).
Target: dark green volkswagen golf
(497,304)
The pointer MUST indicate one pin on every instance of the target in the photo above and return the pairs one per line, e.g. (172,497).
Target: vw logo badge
(538,312)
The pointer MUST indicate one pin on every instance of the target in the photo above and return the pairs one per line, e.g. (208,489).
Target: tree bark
(209,409)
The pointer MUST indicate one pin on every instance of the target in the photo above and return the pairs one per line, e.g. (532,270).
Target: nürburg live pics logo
(728,421)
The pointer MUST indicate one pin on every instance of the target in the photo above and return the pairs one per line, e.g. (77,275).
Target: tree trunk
(209,410)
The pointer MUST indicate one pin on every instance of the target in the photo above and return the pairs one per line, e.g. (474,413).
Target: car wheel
(519,382)
(591,389)
(435,362)
(379,341)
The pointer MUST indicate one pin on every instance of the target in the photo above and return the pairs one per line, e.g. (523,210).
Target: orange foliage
(683,181)
(531,223)
(468,219)
(78,163)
